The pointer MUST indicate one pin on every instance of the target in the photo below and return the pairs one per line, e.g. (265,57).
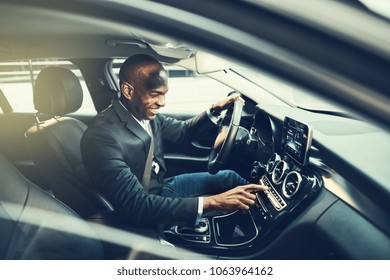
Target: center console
(292,184)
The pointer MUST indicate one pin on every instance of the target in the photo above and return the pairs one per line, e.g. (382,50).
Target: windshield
(288,93)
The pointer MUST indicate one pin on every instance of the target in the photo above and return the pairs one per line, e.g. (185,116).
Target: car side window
(17,79)
(189,92)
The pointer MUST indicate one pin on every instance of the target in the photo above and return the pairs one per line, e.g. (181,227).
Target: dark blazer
(114,150)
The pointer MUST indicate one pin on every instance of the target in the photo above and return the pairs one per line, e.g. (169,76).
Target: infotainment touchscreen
(296,140)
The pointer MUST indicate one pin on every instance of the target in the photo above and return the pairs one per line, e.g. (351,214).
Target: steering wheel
(225,140)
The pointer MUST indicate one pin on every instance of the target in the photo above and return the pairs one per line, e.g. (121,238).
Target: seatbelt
(148,167)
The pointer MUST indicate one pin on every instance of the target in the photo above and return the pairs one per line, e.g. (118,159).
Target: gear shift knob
(202,227)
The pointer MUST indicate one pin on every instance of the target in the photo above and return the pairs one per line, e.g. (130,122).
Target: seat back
(54,144)
(34,225)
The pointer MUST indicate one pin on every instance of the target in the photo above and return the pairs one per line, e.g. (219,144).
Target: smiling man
(122,151)
(144,83)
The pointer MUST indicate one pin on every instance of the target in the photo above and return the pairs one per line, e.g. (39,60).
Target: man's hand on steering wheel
(223,104)
(228,128)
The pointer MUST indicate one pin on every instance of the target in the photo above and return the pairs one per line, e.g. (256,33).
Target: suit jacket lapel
(131,124)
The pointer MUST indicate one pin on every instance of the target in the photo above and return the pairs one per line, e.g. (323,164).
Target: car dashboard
(292,184)
(310,211)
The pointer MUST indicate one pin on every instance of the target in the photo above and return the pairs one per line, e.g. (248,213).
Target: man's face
(147,95)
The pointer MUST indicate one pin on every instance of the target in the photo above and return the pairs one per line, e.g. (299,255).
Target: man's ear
(127,91)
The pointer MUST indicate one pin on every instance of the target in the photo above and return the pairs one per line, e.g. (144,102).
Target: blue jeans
(201,183)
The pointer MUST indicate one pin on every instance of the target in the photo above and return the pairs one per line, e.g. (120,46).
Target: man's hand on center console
(239,198)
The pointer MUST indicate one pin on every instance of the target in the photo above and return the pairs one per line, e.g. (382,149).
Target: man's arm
(175,130)
(239,198)
(104,160)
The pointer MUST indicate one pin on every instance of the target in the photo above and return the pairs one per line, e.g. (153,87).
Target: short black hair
(132,64)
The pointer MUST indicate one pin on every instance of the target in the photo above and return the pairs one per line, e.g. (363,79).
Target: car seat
(54,144)
(34,225)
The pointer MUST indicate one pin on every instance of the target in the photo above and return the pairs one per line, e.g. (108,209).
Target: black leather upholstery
(34,225)
(57,92)
(55,144)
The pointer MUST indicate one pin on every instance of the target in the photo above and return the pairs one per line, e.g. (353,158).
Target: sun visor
(168,50)
(208,63)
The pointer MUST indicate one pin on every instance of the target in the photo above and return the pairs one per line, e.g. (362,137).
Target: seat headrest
(57,91)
